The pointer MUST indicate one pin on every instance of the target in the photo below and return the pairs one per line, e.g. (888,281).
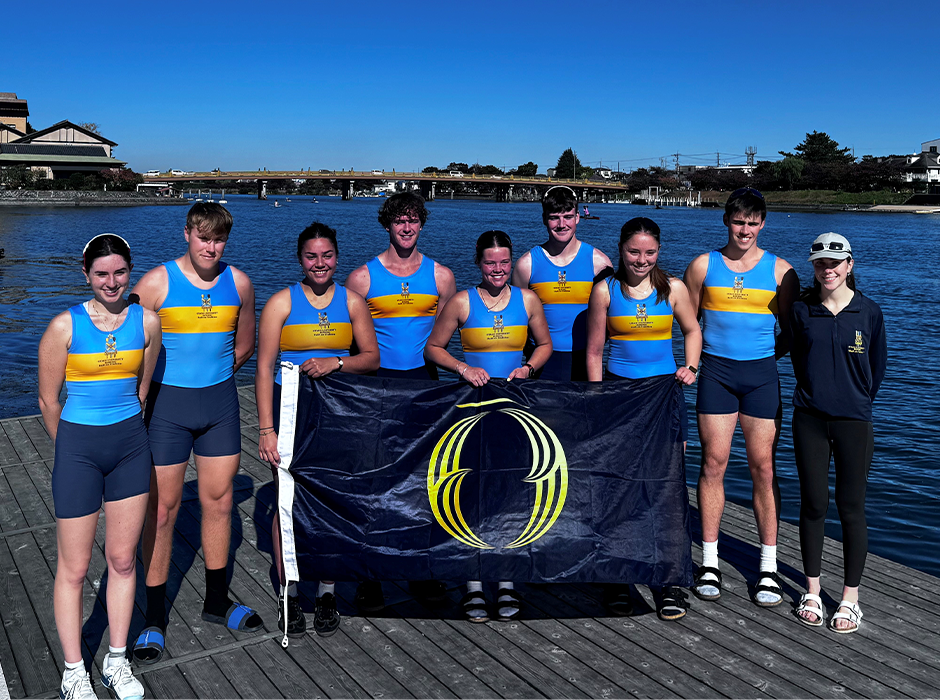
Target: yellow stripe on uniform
(99,366)
(489,339)
(745,301)
(403,305)
(563,292)
(633,328)
(329,336)
(196,319)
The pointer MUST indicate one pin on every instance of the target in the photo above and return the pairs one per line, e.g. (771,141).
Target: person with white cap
(839,355)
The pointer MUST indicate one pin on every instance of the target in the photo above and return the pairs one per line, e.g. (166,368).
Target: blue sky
(404,85)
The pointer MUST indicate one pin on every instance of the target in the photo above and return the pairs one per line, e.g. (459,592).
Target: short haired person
(405,291)
(313,323)
(494,318)
(839,356)
(104,351)
(740,292)
(562,271)
(634,309)
(207,310)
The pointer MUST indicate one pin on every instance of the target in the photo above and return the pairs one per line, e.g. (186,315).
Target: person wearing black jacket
(839,355)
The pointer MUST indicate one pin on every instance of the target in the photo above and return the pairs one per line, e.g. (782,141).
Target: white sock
(768,557)
(710,554)
(325,588)
(474,586)
(73,669)
(505,584)
(507,608)
(115,655)
(292,590)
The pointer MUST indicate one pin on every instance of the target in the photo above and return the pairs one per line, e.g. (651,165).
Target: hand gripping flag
(394,479)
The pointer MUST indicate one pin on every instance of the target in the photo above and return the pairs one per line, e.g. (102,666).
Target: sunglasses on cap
(746,190)
(831,245)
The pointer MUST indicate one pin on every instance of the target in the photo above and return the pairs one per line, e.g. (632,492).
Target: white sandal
(818,610)
(854,615)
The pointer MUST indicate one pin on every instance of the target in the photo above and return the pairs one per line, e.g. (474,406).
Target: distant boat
(277,204)
(589,217)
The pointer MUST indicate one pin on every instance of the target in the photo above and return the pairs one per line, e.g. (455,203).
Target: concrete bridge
(505,185)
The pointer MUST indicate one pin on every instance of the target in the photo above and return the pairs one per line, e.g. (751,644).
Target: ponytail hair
(658,277)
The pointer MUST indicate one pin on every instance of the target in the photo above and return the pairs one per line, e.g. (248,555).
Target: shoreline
(69,198)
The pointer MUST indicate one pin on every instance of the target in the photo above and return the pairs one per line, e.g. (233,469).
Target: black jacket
(839,361)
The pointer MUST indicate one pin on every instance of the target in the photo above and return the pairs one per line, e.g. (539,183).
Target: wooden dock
(566,646)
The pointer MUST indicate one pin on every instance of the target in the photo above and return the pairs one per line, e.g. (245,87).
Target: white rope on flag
(290,379)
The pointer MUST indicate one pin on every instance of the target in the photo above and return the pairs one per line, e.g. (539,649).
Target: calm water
(896,265)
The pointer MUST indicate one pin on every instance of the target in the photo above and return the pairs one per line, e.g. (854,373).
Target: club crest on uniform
(206,302)
(404,289)
(324,321)
(110,346)
(641,312)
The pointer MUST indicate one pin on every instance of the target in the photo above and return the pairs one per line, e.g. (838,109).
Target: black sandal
(472,601)
(508,598)
(618,600)
(673,603)
(713,580)
(773,587)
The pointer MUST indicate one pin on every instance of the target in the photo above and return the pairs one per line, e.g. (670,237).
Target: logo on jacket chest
(858,348)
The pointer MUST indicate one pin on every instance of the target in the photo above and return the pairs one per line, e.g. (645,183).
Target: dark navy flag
(526,481)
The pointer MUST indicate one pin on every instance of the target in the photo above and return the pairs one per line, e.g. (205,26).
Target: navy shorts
(565,367)
(92,461)
(204,421)
(751,387)
(683,419)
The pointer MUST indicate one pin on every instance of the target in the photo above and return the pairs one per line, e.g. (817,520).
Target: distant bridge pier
(428,190)
(262,189)
(348,188)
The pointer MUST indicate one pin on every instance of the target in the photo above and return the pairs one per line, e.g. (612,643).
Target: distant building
(925,166)
(56,152)
(13,111)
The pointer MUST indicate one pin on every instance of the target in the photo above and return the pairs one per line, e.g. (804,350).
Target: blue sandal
(236,619)
(150,639)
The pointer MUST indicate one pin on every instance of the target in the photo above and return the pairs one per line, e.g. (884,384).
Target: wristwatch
(340,360)
(693,369)
(531,369)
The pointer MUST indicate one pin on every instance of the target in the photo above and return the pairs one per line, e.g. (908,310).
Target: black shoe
(428,591)
(326,618)
(618,600)
(672,603)
(296,622)
(369,598)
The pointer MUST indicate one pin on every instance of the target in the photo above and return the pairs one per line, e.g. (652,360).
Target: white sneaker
(119,679)
(76,686)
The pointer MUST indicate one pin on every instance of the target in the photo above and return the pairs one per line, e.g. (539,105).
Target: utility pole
(717,159)
(750,152)
(676,156)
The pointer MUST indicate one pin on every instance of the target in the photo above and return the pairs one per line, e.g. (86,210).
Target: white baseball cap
(830,245)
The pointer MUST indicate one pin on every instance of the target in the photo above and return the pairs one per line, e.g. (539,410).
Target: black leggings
(851,443)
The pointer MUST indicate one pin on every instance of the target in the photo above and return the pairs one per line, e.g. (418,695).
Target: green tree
(431,169)
(526,170)
(568,165)
(789,170)
(478,169)
(462,167)
(818,147)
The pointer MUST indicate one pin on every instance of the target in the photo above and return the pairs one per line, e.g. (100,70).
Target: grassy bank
(822,198)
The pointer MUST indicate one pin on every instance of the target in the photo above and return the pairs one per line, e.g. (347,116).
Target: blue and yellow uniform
(640,332)
(193,403)
(403,311)
(494,340)
(564,291)
(739,316)
(310,332)
(101,445)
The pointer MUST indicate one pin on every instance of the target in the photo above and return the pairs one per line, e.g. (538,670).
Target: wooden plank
(292,677)
(31,503)
(245,675)
(7,452)
(9,671)
(207,680)
(32,656)
(35,429)
(22,445)
(11,515)
(329,677)
(166,682)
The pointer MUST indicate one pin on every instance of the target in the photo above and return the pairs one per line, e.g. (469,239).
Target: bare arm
(53,356)
(522,272)
(359,281)
(695,280)
(597,331)
(691,331)
(449,320)
(788,290)
(602,266)
(153,334)
(152,288)
(446,286)
(273,316)
(245,330)
(538,332)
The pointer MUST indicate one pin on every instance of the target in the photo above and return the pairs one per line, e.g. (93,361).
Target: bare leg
(760,439)
(124,520)
(166,493)
(215,497)
(74,538)
(715,432)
